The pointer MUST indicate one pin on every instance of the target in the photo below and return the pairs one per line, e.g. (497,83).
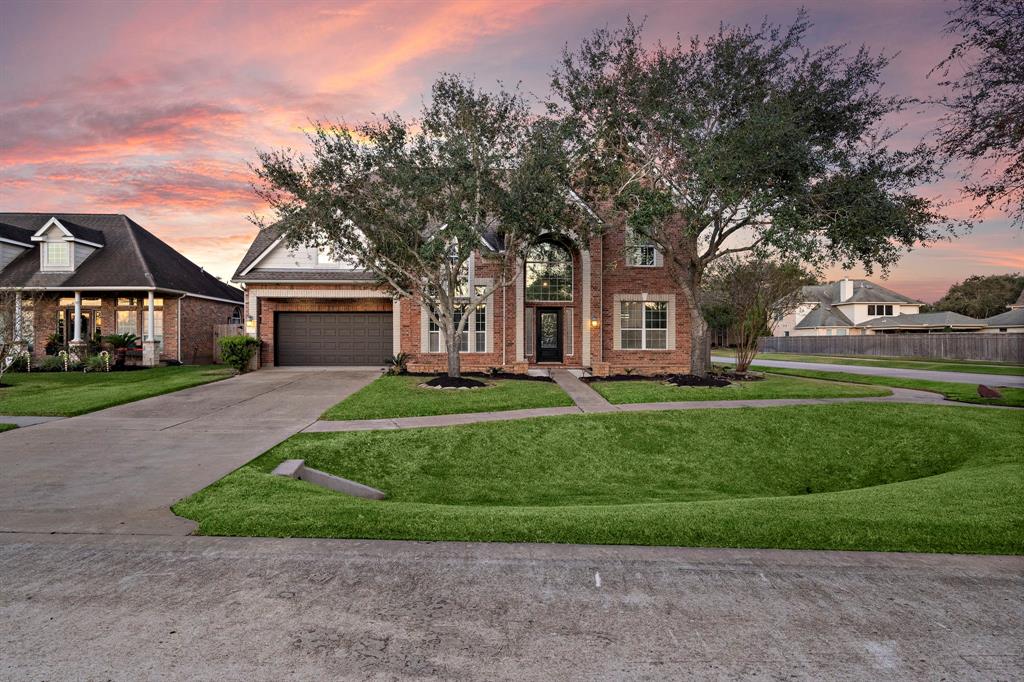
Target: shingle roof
(304,275)
(131,257)
(864,291)
(940,319)
(264,238)
(1011,318)
(824,316)
(15,234)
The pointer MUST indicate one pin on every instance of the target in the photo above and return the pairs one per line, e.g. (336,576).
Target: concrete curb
(296,468)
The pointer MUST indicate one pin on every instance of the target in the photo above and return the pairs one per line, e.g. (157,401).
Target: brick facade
(610,277)
(198,316)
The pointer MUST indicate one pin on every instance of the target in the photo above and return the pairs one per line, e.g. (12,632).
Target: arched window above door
(548,273)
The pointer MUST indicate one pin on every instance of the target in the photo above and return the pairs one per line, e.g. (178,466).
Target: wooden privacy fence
(945,346)
(220,330)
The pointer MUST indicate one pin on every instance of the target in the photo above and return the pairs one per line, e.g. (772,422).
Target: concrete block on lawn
(296,468)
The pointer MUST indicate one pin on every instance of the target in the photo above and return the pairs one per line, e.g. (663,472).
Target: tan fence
(220,330)
(952,346)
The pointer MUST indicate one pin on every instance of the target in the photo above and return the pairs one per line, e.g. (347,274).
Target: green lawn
(7,427)
(66,394)
(970,366)
(650,391)
(402,396)
(853,476)
(966,393)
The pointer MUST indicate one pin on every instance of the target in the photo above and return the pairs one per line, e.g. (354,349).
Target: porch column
(150,317)
(150,353)
(78,318)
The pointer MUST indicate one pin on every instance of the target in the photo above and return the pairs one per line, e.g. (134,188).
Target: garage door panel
(333,338)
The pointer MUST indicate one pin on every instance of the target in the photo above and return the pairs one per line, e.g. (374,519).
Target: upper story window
(548,273)
(640,251)
(57,254)
(880,310)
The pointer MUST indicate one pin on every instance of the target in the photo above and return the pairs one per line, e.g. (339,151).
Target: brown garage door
(332,338)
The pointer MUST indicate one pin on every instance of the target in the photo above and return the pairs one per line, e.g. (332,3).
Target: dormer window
(57,254)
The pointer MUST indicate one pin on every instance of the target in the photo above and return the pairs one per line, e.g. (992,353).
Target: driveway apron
(119,470)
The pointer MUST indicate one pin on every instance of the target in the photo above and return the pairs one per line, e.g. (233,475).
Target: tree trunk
(452,345)
(700,343)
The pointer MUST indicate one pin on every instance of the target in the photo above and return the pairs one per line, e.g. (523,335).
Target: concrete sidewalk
(899,395)
(925,374)
(130,607)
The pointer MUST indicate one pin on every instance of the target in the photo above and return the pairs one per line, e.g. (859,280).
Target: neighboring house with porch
(86,276)
(846,307)
(608,305)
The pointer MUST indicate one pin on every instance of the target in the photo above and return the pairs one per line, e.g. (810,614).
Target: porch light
(595,323)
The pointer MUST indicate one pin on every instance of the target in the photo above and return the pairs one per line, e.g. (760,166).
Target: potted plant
(121,343)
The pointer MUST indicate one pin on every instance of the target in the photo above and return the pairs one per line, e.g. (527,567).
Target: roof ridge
(129,223)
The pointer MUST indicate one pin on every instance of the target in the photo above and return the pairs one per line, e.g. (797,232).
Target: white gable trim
(40,235)
(260,257)
(15,242)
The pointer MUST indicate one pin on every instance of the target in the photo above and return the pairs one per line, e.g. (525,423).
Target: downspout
(504,327)
(179,325)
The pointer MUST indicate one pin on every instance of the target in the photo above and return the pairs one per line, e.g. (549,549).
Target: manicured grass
(970,366)
(7,427)
(67,394)
(652,391)
(853,476)
(966,393)
(402,396)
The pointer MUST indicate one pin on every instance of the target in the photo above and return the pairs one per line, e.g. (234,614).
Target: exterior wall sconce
(594,324)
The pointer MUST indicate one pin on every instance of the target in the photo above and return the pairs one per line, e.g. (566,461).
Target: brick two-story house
(599,305)
(90,275)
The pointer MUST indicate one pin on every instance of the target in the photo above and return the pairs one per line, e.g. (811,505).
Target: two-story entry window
(548,273)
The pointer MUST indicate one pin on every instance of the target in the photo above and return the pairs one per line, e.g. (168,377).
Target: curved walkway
(925,374)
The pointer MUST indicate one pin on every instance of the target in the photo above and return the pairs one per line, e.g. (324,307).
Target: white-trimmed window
(640,251)
(474,337)
(58,254)
(885,310)
(643,325)
(548,273)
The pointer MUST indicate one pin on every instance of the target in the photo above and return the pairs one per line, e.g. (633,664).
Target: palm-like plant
(121,343)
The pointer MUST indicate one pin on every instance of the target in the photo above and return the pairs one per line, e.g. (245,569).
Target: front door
(549,334)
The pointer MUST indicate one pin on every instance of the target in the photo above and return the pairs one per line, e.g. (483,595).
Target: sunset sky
(154,109)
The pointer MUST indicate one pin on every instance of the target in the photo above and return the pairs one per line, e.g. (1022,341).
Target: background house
(89,275)
(843,308)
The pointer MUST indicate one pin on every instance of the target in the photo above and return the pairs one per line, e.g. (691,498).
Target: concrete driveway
(197,608)
(926,374)
(119,470)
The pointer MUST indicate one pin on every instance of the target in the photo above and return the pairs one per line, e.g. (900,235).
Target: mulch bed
(714,380)
(483,376)
(445,381)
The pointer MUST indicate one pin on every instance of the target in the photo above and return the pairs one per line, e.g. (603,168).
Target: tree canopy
(984,119)
(746,140)
(981,296)
(413,200)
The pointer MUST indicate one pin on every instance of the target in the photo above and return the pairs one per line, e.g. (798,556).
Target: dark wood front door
(549,334)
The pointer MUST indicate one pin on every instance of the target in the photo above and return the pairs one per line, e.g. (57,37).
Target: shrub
(95,363)
(398,364)
(51,363)
(237,351)
(20,363)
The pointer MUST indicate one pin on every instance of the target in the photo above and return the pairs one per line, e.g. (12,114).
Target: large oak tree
(743,140)
(413,200)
